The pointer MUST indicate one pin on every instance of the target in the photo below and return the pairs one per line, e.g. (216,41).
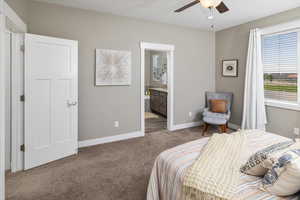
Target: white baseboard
(115,138)
(92,142)
(186,125)
(234,126)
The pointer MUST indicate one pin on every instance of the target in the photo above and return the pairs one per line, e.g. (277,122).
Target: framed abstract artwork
(230,68)
(112,67)
(159,68)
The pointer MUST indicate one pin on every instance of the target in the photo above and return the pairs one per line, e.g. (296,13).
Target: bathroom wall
(149,81)
(147,67)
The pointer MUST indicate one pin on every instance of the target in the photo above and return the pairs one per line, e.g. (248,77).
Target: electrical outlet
(190,114)
(116,124)
(296,131)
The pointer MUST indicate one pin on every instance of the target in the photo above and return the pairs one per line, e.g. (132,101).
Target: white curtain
(254,114)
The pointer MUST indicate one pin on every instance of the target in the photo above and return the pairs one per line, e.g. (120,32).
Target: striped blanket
(170,167)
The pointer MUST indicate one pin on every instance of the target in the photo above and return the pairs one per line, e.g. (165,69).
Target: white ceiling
(241,11)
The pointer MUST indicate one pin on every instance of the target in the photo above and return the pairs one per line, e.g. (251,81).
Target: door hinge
(22,48)
(22,97)
(22,147)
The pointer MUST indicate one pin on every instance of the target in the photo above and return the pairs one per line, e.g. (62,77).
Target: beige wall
(99,107)
(232,43)
(20,7)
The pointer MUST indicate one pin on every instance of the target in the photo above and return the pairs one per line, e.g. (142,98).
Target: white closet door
(51,96)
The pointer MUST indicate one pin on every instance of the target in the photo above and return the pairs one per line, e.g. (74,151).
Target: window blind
(280,53)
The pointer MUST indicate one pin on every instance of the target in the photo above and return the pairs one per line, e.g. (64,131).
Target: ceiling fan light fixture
(211,14)
(210,3)
(210,17)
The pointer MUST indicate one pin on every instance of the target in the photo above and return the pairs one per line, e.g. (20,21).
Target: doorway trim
(170,67)
(17,106)
(2,103)
(5,13)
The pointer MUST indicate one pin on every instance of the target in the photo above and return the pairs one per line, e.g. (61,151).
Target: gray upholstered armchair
(219,119)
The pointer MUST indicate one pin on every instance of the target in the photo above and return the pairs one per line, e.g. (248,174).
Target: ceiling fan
(211,4)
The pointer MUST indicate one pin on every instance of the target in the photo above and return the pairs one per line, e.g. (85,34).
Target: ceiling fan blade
(187,6)
(222,7)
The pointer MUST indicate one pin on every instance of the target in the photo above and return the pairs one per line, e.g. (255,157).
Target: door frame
(5,13)
(169,49)
(17,111)
(17,106)
(2,103)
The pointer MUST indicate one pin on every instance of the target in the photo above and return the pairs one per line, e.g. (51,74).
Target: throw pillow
(273,157)
(218,105)
(284,177)
(254,165)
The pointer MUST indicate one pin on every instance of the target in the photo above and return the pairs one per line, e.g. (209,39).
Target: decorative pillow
(218,105)
(254,165)
(284,177)
(272,158)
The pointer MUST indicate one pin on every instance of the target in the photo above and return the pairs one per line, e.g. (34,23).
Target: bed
(170,166)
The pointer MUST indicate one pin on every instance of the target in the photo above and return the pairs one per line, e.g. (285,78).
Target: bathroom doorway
(156,87)
(156,91)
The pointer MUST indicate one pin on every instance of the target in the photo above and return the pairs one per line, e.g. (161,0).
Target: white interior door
(51,96)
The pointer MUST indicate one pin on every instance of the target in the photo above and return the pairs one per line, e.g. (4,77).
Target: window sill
(282,104)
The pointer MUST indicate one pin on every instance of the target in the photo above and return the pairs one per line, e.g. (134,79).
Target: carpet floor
(114,171)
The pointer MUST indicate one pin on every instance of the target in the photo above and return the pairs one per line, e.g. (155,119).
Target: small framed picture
(230,68)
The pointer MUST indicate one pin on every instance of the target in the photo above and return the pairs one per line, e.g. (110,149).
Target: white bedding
(170,166)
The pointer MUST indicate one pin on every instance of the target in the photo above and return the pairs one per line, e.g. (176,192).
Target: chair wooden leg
(223,128)
(205,128)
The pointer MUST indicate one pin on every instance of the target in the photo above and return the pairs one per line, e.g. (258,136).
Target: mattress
(170,166)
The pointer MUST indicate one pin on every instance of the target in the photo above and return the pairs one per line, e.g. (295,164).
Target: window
(281,61)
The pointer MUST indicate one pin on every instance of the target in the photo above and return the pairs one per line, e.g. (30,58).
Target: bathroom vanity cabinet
(159,101)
